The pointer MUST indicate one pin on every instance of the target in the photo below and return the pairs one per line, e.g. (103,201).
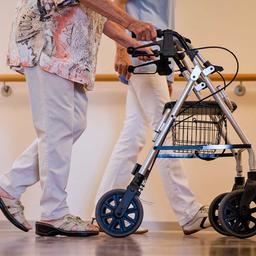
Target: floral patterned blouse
(61,36)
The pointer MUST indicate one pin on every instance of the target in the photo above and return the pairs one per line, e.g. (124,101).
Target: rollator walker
(198,130)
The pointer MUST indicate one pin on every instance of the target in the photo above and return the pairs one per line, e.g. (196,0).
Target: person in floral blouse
(55,44)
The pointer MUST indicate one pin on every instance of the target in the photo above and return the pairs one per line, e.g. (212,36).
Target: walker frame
(119,212)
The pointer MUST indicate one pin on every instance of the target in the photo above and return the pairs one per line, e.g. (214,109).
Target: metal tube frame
(169,122)
(236,154)
(170,117)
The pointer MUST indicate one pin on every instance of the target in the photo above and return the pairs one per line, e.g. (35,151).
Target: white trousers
(59,109)
(146,97)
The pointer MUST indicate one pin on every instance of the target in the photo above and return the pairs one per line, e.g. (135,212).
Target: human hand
(144,31)
(122,62)
(147,51)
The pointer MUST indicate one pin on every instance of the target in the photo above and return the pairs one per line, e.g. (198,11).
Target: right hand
(122,62)
(144,31)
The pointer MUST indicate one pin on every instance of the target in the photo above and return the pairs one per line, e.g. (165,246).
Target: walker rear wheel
(112,224)
(214,216)
(241,226)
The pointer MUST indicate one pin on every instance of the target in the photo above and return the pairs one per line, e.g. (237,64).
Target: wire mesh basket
(198,124)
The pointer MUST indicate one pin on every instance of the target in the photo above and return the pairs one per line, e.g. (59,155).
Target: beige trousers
(59,109)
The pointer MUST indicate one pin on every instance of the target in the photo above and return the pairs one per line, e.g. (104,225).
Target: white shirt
(160,13)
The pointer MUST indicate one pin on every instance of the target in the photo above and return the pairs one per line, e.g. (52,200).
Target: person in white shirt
(146,97)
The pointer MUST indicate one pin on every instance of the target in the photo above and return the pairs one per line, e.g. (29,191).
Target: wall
(228,23)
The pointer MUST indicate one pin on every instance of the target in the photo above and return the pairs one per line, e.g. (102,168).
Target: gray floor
(153,243)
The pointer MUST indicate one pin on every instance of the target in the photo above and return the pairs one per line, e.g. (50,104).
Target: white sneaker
(200,221)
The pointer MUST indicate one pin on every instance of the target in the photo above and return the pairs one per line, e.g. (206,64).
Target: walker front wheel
(114,225)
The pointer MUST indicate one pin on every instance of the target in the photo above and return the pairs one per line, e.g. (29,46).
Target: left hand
(122,62)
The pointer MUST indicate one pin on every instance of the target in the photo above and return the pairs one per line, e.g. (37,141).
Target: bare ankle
(4,194)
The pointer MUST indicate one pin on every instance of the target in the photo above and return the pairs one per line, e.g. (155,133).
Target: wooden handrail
(114,78)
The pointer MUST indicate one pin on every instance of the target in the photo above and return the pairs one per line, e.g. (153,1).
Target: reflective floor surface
(154,243)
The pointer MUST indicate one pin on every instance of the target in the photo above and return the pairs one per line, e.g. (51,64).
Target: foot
(14,212)
(69,225)
(199,221)
(139,231)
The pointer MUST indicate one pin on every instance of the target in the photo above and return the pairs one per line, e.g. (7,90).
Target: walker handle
(159,33)
(137,53)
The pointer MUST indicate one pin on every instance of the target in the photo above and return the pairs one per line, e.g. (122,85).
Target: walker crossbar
(203,147)
(201,156)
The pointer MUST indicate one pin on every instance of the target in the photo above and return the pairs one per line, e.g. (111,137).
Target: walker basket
(198,124)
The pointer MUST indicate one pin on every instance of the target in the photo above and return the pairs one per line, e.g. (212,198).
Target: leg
(53,109)
(127,148)
(53,116)
(152,93)
(25,170)
(59,121)
(24,173)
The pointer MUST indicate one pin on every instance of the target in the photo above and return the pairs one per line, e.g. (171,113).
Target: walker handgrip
(131,69)
(159,33)
(130,50)
(137,53)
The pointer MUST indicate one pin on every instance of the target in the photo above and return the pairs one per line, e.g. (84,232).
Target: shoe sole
(9,216)
(141,232)
(190,232)
(43,229)
(202,227)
